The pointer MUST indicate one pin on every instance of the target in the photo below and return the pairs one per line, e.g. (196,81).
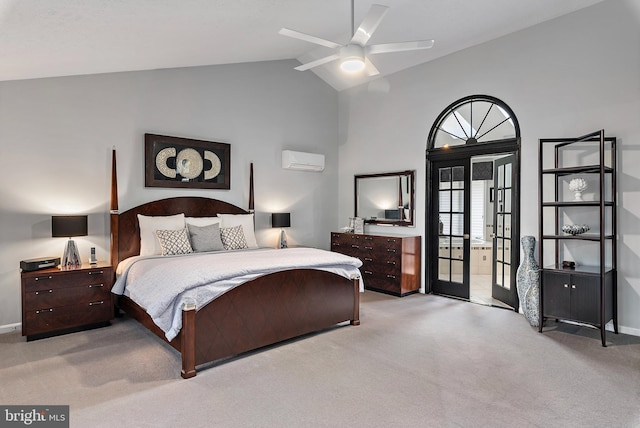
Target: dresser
(58,301)
(390,263)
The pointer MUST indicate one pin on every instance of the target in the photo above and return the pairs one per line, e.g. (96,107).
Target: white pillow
(149,242)
(202,221)
(244,220)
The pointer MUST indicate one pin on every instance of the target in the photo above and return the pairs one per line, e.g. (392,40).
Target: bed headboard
(125,232)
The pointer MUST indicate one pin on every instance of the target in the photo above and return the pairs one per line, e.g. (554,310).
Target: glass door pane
(503,285)
(450,203)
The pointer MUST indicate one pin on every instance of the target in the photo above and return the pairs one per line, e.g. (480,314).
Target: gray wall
(564,78)
(56,137)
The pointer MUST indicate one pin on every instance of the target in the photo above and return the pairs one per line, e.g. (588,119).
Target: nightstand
(58,301)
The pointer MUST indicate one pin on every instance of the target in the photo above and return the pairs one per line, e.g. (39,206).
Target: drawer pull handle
(96,272)
(368,272)
(391,276)
(48,291)
(566,286)
(368,238)
(38,278)
(391,263)
(368,248)
(391,240)
(368,259)
(573,286)
(355,246)
(335,244)
(40,311)
(390,250)
(96,285)
(96,303)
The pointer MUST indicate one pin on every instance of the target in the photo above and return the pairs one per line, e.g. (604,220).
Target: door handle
(466,236)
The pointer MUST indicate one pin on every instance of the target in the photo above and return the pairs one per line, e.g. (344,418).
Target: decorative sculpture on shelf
(575,229)
(577,186)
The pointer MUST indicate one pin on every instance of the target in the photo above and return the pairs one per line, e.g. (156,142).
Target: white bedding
(161,284)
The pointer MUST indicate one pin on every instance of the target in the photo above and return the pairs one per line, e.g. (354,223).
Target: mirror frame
(410,174)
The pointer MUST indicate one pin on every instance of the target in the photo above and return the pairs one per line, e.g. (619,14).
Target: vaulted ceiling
(45,38)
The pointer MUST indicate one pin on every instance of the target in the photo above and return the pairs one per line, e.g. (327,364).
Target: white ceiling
(44,38)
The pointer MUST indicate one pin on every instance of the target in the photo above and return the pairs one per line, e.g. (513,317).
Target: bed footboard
(262,312)
(265,311)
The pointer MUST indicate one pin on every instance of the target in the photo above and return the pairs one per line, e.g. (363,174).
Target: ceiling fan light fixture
(352,65)
(352,58)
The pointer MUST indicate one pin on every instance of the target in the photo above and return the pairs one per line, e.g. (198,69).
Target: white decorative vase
(528,282)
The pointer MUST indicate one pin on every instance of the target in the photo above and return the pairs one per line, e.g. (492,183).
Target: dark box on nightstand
(40,263)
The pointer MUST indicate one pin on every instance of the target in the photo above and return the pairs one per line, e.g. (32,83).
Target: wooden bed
(261,312)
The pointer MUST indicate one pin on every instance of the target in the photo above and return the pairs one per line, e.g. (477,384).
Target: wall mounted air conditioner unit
(302,161)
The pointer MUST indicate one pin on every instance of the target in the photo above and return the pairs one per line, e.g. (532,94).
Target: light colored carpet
(417,361)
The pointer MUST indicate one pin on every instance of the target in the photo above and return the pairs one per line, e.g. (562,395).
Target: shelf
(581,237)
(585,169)
(576,204)
(579,269)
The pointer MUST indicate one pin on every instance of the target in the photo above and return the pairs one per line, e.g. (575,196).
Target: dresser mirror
(385,199)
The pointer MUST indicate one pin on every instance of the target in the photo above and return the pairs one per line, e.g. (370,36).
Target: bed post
(113,210)
(188,341)
(251,203)
(356,302)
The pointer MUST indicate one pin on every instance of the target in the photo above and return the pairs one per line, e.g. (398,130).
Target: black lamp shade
(66,226)
(281,220)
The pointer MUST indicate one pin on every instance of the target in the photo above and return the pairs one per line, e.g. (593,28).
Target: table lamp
(68,226)
(281,220)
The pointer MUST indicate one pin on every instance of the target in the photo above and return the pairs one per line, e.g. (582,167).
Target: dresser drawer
(61,296)
(50,319)
(389,283)
(346,243)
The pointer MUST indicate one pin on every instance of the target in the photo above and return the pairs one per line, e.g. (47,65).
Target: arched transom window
(472,120)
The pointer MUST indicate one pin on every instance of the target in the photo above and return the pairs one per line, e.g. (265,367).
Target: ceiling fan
(354,56)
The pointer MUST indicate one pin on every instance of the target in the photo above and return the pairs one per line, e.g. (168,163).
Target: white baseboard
(9,328)
(628,330)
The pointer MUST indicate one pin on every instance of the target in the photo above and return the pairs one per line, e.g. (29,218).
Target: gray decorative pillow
(233,238)
(205,238)
(174,242)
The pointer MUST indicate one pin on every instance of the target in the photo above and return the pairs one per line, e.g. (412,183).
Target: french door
(450,254)
(451,200)
(503,285)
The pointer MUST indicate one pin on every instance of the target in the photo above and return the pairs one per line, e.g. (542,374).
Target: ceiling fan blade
(308,38)
(317,62)
(399,47)
(370,69)
(369,24)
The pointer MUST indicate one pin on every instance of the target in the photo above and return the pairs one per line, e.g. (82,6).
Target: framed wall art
(183,162)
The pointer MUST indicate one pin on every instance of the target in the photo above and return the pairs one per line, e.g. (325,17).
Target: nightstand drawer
(64,279)
(50,319)
(51,297)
